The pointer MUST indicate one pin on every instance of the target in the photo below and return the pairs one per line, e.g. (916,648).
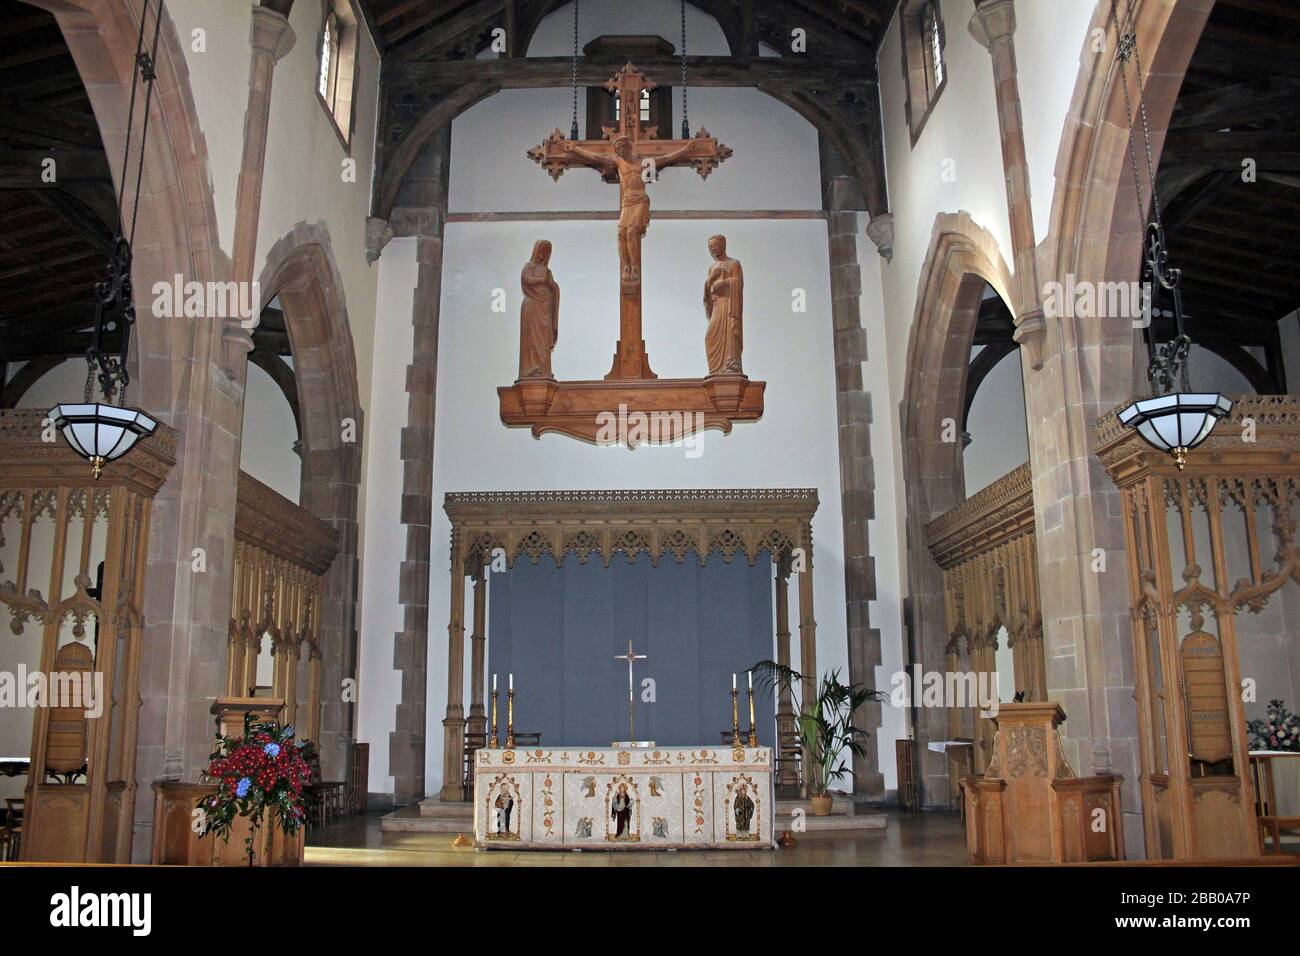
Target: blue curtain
(559,629)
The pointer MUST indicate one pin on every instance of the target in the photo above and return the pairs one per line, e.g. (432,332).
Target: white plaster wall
(219,82)
(266,449)
(955,165)
(66,382)
(886,530)
(1049,40)
(490,170)
(384,543)
(794,445)
(996,423)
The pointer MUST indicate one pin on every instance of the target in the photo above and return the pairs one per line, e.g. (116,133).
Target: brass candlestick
(510,719)
(735,718)
(753,731)
(494,719)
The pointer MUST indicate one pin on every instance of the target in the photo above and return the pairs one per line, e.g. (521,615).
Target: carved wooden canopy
(558,523)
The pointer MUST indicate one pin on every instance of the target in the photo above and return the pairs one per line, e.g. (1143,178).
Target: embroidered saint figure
(620,808)
(743,808)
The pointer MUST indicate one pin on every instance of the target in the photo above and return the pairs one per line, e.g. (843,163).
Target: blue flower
(242,789)
(287,732)
(271,750)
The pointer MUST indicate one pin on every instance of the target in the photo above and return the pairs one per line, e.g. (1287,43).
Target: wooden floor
(911,839)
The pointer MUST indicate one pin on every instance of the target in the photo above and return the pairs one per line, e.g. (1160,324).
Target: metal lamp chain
(573,127)
(686,125)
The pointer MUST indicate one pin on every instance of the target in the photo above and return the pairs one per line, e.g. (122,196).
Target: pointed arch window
(923,64)
(336,64)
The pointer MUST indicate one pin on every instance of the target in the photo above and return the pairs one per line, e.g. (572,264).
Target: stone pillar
(807,647)
(785,723)
(1087,367)
(993,26)
(842,199)
(453,724)
(271,38)
(478,647)
(425,221)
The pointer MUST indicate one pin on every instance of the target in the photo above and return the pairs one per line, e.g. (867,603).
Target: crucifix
(630,658)
(632,156)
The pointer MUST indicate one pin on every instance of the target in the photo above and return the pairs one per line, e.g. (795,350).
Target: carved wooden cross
(637,163)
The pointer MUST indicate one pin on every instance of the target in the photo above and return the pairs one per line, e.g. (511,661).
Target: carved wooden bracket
(612,412)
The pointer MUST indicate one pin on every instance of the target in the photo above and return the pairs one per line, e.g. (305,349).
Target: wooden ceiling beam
(478,15)
(24,168)
(554,71)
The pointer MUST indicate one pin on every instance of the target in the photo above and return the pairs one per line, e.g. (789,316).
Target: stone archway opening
(301,273)
(962,263)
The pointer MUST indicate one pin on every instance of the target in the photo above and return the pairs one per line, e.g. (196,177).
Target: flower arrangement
(1279,730)
(265,769)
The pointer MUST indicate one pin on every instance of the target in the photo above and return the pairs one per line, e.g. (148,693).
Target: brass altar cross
(630,155)
(630,657)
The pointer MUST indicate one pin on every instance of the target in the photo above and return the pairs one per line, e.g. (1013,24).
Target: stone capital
(270,34)
(378,235)
(881,232)
(993,20)
(1031,334)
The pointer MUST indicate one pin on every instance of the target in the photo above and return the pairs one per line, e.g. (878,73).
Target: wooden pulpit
(175,840)
(1029,807)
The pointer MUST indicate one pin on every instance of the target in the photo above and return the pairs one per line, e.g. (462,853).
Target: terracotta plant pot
(821,806)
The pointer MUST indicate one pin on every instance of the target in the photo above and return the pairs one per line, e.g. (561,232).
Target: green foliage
(825,723)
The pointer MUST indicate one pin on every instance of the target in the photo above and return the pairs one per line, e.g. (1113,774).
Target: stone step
(399,822)
(836,821)
(433,807)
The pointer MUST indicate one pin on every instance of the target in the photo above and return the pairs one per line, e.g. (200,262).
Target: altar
(624,799)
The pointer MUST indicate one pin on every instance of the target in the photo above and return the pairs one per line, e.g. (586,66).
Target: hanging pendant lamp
(104,431)
(1175,419)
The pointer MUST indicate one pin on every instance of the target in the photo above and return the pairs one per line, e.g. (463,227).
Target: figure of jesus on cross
(635,156)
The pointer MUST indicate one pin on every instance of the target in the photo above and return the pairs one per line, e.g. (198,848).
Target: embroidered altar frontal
(612,799)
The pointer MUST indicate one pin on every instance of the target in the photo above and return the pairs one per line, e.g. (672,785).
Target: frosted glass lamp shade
(101,433)
(1176,423)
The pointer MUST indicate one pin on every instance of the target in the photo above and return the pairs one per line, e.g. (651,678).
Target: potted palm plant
(825,725)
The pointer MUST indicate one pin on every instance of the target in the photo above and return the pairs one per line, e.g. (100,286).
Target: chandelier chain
(686,124)
(573,126)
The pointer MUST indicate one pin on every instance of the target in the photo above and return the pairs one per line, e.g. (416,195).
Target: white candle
(512,681)
(494,683)
(750,675)
(733,681)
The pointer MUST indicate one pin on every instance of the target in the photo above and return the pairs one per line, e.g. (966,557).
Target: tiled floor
(911,839)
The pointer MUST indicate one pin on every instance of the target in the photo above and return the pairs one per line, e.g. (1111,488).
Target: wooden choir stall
(73,557)
(1209,545)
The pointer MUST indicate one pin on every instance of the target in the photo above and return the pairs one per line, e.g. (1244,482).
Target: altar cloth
(608,798)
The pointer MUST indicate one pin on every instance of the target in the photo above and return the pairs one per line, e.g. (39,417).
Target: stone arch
(962,258)
(1095,229)
(177,232)
(179,374)
(301,269)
